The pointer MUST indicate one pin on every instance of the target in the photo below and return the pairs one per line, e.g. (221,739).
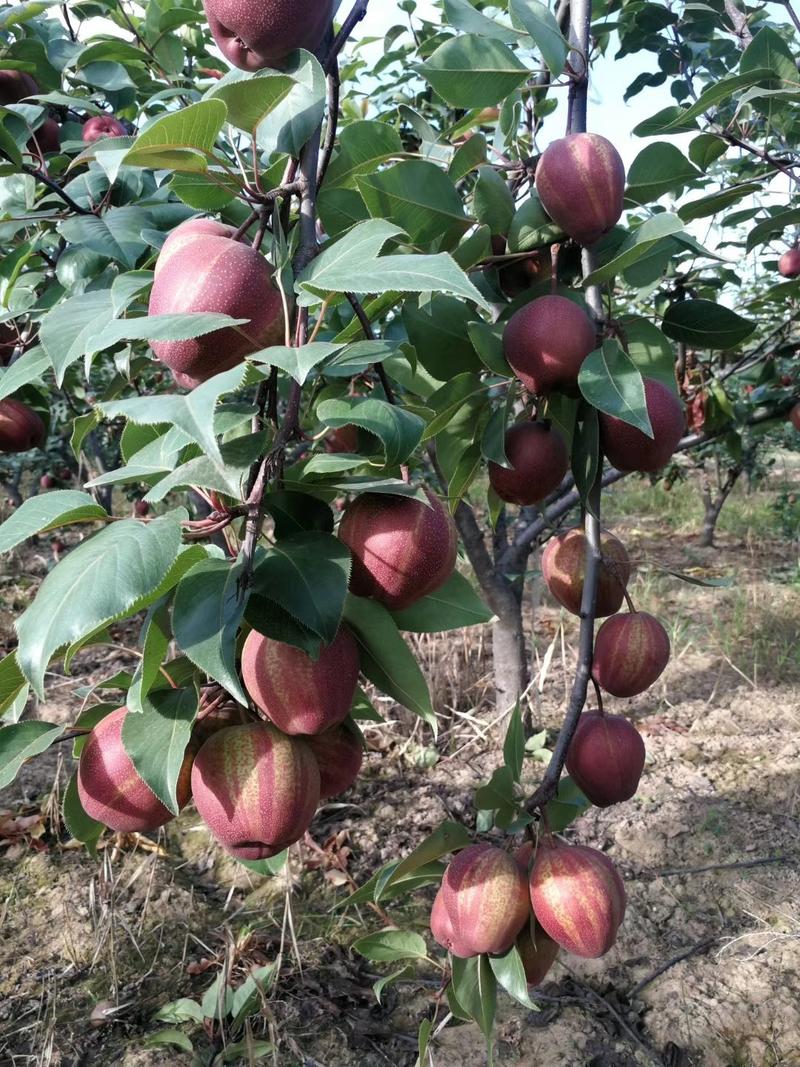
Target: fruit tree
(297,343)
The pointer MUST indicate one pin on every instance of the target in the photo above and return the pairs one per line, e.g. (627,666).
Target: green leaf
(716,202)
(532,227)
(510,973)
(705,324)
(492,200)
(487,340)
(68,329)
(162,328)
(543,28)
(307,576)
(156,740)
(423,1038)
(447,401)
(192,413)
(210,191)
(363,146)
(21,741)
(585,459)
(383,983)
(762,232)
(566,806)
(386,946)
(206,616)
(449,837)
(154,640)
(427,874)
(182,1010)
(636,245)
(475,988)
(268,867)
(454,605)
(514,744)
(98,580)
(81,827)
(467,156)
(440,330)
(38,514)
(649,349)
(293,121)
(181,140)
(352,264)
(115,234)
(12,685)
(169,1037)
(386,659)
(473,71)
(718,92)
(706,148)
(418,197)
(297,362)
(463,16)
(250,97)
(30,366)
(658,169)
(399,431)
(611,382)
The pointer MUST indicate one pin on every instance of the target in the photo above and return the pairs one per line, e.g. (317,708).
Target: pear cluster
(631,650)
(256,784)
(541,900)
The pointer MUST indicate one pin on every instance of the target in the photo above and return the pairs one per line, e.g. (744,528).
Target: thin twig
(693,950)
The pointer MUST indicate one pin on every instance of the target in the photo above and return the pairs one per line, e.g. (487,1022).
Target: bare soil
(706,970)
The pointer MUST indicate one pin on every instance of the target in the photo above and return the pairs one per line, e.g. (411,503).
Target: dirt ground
(706,970)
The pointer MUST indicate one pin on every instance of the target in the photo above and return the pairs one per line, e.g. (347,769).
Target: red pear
(339,753)
(16,85)
(577,897)
(299,694)
(109,788)
(200,268)
(252,34)
(442,928)
(630,449)
(539,460)
(546,342)
(794,416)
(606,758)
(402,549)
(484,893)
(630,652)
(563,562)
(20,427)
(48,137)
(256,789)
(580,180)
(342,439)
(789,263)
(99,126)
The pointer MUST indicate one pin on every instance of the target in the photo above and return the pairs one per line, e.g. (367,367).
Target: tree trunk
(509,655)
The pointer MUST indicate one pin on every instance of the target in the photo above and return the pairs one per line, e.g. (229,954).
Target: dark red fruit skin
(563,561)
(606,758)
(339,753)
(255,35)
(109,788)
(16,85)
(546,342)
(630,449)
(200,268)
(142,508)
(485,896)
(47,481)
(631,651)
(342,439)
(580,180)
(442,929)
(299,694)
(99,126)
(256,789)
(48,137)
(20,427)
(794,416)
(402,549)
(789,263)
(539,460)
(577,896)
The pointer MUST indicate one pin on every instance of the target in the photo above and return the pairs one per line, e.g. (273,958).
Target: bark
(713,502)
(509,656)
